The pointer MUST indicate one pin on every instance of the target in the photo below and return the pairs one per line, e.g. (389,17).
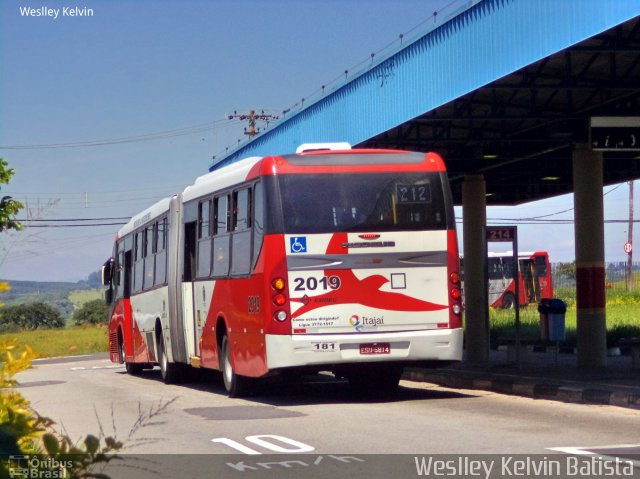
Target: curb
(540,389)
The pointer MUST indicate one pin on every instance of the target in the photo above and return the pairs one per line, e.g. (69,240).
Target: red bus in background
(328,259)
(534,274)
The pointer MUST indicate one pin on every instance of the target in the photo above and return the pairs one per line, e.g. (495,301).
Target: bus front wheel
(236,385)
(131,368)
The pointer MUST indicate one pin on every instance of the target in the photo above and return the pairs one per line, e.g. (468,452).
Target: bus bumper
(308,350)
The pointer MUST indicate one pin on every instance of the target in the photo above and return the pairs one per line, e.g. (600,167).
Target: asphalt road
(318,421)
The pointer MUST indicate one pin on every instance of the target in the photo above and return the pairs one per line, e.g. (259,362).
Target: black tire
(508,301)
(133,369)
(375,380)
(236,385)
(170,371)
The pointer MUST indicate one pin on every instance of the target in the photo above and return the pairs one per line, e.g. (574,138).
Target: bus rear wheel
(236,385)
(170,371)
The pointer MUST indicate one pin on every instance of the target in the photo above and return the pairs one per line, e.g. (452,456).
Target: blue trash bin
(557,311)
(552,319)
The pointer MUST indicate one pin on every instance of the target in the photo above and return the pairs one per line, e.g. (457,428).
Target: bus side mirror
(107,272)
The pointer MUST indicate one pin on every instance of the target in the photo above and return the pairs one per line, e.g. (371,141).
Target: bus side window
(127,265)
(149,249)
(541,266)
(119,276)
(241,209)
(241,237)
(221,215)
(221,212)
(258,223)
(138,268)
(160,252)
(204,240)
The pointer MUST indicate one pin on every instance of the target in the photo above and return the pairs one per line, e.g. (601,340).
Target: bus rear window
(363,202)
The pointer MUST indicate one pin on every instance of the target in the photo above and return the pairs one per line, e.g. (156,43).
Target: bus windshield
(330,203)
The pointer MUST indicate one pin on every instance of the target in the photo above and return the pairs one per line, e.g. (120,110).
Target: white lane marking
(84,368)
(265,441)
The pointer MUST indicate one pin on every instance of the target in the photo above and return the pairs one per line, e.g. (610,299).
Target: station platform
(543,375)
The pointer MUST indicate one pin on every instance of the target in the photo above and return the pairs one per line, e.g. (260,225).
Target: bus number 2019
(311,283)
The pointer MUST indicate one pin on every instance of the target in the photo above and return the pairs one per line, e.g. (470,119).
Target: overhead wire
(114,141)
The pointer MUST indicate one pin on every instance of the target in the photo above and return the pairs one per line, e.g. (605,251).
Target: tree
(8,206)
(8,209)
(567,270)
(30,316)
(91,312)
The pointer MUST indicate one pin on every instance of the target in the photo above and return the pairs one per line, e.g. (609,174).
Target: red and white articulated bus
(340,260)
(534,275)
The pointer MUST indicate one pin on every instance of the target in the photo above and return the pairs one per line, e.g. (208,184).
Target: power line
(75,225)
(113,141)
(76,219)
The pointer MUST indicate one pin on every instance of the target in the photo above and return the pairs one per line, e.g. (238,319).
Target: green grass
(623,318)
(81,296)
(72,341)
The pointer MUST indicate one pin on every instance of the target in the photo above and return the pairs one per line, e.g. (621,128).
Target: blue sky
(138,67)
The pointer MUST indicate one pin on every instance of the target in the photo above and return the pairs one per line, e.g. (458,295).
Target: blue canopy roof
(484,42)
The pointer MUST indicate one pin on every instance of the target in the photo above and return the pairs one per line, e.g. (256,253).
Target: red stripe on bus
(272,165)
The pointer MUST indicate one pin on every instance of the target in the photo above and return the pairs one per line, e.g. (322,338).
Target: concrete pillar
(474,217)
(589,237)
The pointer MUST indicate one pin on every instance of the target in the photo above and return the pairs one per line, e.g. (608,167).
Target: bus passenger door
(187,288)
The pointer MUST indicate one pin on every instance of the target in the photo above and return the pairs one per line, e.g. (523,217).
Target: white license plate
(324,347)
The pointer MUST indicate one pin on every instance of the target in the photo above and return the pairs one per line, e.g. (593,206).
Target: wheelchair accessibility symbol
(298,244)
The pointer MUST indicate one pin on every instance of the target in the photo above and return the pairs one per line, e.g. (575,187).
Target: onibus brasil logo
(24,466)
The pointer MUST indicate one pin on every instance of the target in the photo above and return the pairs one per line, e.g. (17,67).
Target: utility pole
(630,240)
(251,118)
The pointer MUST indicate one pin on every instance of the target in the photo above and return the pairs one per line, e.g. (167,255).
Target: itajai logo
(359,323)
(355,322)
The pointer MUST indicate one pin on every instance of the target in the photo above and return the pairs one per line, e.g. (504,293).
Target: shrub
(30,316)
(23,430)
(91,312)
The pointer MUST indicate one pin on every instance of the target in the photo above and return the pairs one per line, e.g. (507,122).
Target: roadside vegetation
(623,317)
(22,430)
(49,335)
(71,341)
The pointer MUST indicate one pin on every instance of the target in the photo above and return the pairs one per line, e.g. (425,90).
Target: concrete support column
(589,237)
(474,217)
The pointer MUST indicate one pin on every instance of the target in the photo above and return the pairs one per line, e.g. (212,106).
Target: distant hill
(51,292)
